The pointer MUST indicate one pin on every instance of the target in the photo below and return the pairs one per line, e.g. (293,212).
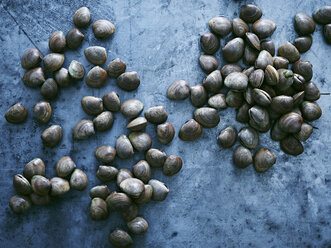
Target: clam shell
(83,130)
(190,130)
(165,133)
(264,159)
(207,117)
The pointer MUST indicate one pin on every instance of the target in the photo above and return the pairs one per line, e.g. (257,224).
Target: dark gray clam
(19,204)
(327,33)
(128,81)
(198,95)
(123,146)
(98,209)
(250,55)
(208,63)
(22,185)
(122,175)
(145,196)
(138,225)
(103,29)
(106,173)
(277,133)
(142,171)
(96,77)
(227,137)
(40,185)
(259,118)
(311,111)
(240,27)
(96,55)
(156,114)
(118,201)
(261,97)
(49,89)
(17,113)
(101,191)
(233,50)
(92,105)
(52,136)
(264,28)
(242,113)
(53,61)
(155,157)
(269,46)
(57,42)
(190,130)
(34,77)
(250,13)
(160,190)
(178,90)
(165,132)
(207,117)
(213,82)
(286,78)
(298,82)
(217,101)
(271,76)
(65,166)
(289,51)
(290,122)
(115,68)
(137,124)
(264,159)
(298,98)
(291,145)
(303,44)
(242,157)
(76,70)
(236,81)
(304,24)
(62,77)
(78,180)
(133,187)
(131,108)
(105,154)
(140,141)
(220,26)
(234,99)
(280,62)
(282,104)
(42,111)
(305,132)
(172,165)
(31,59)
(120,238)
(256,78)
(59,186)
(248,95)
(209,43)
(112,101)
(303,68)
(34,167)
(323,15)
(229,68)
(253,40)
(248,137)
(103,121)
(83,130)
(312,93)
(263,60)
(82,17)
(74,38)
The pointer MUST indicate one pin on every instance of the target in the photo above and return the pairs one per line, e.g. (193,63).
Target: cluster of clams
(267,94)
(34,188)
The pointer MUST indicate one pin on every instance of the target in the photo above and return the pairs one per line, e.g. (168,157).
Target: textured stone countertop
(211,203)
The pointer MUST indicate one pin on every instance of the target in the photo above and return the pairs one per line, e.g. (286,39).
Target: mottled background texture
(211,203)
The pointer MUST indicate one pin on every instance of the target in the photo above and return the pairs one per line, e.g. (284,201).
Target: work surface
(211,203)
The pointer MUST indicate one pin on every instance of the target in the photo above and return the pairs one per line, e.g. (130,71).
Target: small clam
(146,195)
(242,113)
(160,190)
(236,81)
(172,165)
(276,133)
(190,131)
(298,82)
(76,70)
(248,137)
(131,108)
(118,201)
(240,28)
(40,185)
(233,50)
(120,238)
(92,105)
(142,171)
(263,60)
(52,136)
(137,124)
(132,187)
(209,43)
(298,98)
(42,111)
(198,95)
(78,180)
(261,97)
(264,159)
(271,76)
(248,95)
(31,59)
(305,132)
(130,212)
(259,118)
(311,111)
(234,99)
(280,63)
(303,44)
(22,185)
(19,204)
(103,29)
(269,46)
(49,89)
(156,114)
(253,41)
(65,166)
(250,13)
(178,90)
(34,77)
(40,200)
(138,225)
(303,68)
(128,81)
(112,101)
(304,24)
(59,186)
(323,15)
(82,17)
(291,145)
(105,154)
(220,26)
(106,173)
(256,78)
(34,167)
(17,113)
(208,63)
(101,191)
(140,141)
(124,148)
(74,38)
(103,121)
(207,117)
(115,68)
(312,93)
(282,104)
(53,61)
(286,78)
(217,102)
(289,52)
(227,137)
(264,28)
(250,55)
(98,209)
(229,68)
(62,77)
(155,158)
(291,122)
(122,175)
(242,157)
(165,133)
(96,55)
(57,42)
(83,130)
(96,77)
(327,33)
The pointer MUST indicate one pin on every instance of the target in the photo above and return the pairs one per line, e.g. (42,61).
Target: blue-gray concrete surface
(211,203)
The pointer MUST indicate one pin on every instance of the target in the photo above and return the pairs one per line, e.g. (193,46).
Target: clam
(286,78)
(227,137)
(74,38)
(323,15)
(101,191)
(269,46)
(160,190)
(242,113)
(96,77)
(155,157)
(253,40)
(271,76)
(213,82)
(207,117)
(52,136)
(120,238)
(250,13)
(289,52)
(259,118)
(311,111)
(132,187)
(303,68)
(282,104)
(106,173)
(240,27)
(236,81)
(31,59)
(118,201)
(19,204)
(220,26)
(124,148)
(217,102)
(256,78)
(112,101)
(137,124)
(298,98)
(92,105)
(82,17)
(248,137)
(165,133)
(261,97)
(303,44)
(264,28)
(76,70)
(98,209)
(234,99)
(103,29)
(172,165)
(263,60)
(42,111)
(83,130)
(34,167)
(65,166)
(178,90)
(34,77)
(198,95)
(312,93)
(22,185)
(233,50)
(229,68)
(138,225)
(128,81)
(140,141)
(57,42)
(264,159)
(17,113)
(59,186)
(142,171)
(49,89)
(105,154)
(276,133)
(305,132)
(209,43)
(96,55)
(62,77)
(304,24)
(115,68)
(291,145)
(248,95)
(103,121)
(190,131)
(40,185)
(131,108)
(146,195)
(53,61)
(280,62)
(156,114)
(130,212)
(78,180)
(208,63)
(242,157)
(291,122)
(298,82)
(250,55)
(122,175)
(327,33)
